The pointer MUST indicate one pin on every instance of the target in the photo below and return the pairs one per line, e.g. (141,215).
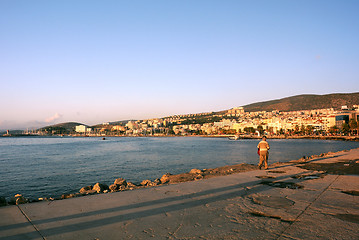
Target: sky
(102,61)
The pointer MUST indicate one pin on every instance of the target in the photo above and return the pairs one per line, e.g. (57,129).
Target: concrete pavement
(286,202)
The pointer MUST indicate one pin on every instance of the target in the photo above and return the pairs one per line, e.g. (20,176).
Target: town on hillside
(236,121)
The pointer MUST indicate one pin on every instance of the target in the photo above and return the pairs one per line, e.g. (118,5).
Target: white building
(82,129)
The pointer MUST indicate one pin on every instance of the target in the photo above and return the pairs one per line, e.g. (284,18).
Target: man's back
(263,145)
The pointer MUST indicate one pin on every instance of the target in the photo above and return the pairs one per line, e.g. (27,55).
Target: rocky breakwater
(16,200)
(121,184)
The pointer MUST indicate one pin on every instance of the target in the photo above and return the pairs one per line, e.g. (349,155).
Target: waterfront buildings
(236,121)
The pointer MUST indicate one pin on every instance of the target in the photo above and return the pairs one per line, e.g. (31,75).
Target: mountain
(306,102)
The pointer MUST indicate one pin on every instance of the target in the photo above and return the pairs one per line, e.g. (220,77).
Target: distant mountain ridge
(305,102)
(293,103)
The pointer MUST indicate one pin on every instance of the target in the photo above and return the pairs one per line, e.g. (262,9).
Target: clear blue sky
(99,61)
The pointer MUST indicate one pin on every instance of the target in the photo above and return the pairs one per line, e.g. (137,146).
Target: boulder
(85,189)
(198,177)
(99,187)
(146,183)
(20,199)
(131,185)
(113,187)
(66,196)
(165,178)
(91,192)
(156,182)
(195,171)
(3,201)
(120,181)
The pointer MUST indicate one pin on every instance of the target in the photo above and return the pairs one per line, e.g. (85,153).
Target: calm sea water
(51,166)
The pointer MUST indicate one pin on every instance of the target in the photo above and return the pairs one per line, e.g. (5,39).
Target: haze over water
(51,166)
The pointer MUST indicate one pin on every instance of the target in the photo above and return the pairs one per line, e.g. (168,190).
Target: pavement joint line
(29,220)
(310,204)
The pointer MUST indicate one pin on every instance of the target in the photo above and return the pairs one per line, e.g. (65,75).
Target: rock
(19,199)
(157,182)
(3,201)
(91,192)
(66,196)
(199,176)
(195,171)
(113,187)
(99,187)
(120,181)
(146,183)
(85,189)
(12,201)
(131,185)
(165,178)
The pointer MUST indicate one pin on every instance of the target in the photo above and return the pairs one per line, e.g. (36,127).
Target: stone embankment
(121,184)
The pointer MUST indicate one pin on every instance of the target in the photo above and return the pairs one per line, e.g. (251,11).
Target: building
(118,128)
(330,121)
(82,129)
(342,118)
(132,125)
(237,111)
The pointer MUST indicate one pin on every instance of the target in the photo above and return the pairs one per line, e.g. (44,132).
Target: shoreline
(121,184)
(302,200)
(314,137)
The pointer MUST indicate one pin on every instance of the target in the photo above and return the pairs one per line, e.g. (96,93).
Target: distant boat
(235,137)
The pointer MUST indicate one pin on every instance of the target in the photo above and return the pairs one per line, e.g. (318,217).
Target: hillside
(305,102)
(63,127)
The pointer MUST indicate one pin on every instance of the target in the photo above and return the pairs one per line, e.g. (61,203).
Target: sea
(51,166)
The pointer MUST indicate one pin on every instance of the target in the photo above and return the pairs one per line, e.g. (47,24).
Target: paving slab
(14,225)
(280,203)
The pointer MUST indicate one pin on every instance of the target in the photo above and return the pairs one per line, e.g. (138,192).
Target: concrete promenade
(293,203)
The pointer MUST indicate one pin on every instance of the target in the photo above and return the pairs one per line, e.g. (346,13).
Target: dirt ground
(349,167)
(196,174)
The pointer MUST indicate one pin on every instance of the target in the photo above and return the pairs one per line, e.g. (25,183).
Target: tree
(333,130)
(309,129)
(260,129)
(249,130)
(353,125)
(345,128)
(281,131)
(302,129)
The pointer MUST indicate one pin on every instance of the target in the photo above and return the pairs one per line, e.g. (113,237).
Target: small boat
(103,138)
(235,137)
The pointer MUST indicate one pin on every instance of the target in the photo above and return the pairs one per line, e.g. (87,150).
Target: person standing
(263,148)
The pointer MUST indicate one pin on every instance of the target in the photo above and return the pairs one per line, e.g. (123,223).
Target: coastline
(121,184)
(289,201)
(316,137)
